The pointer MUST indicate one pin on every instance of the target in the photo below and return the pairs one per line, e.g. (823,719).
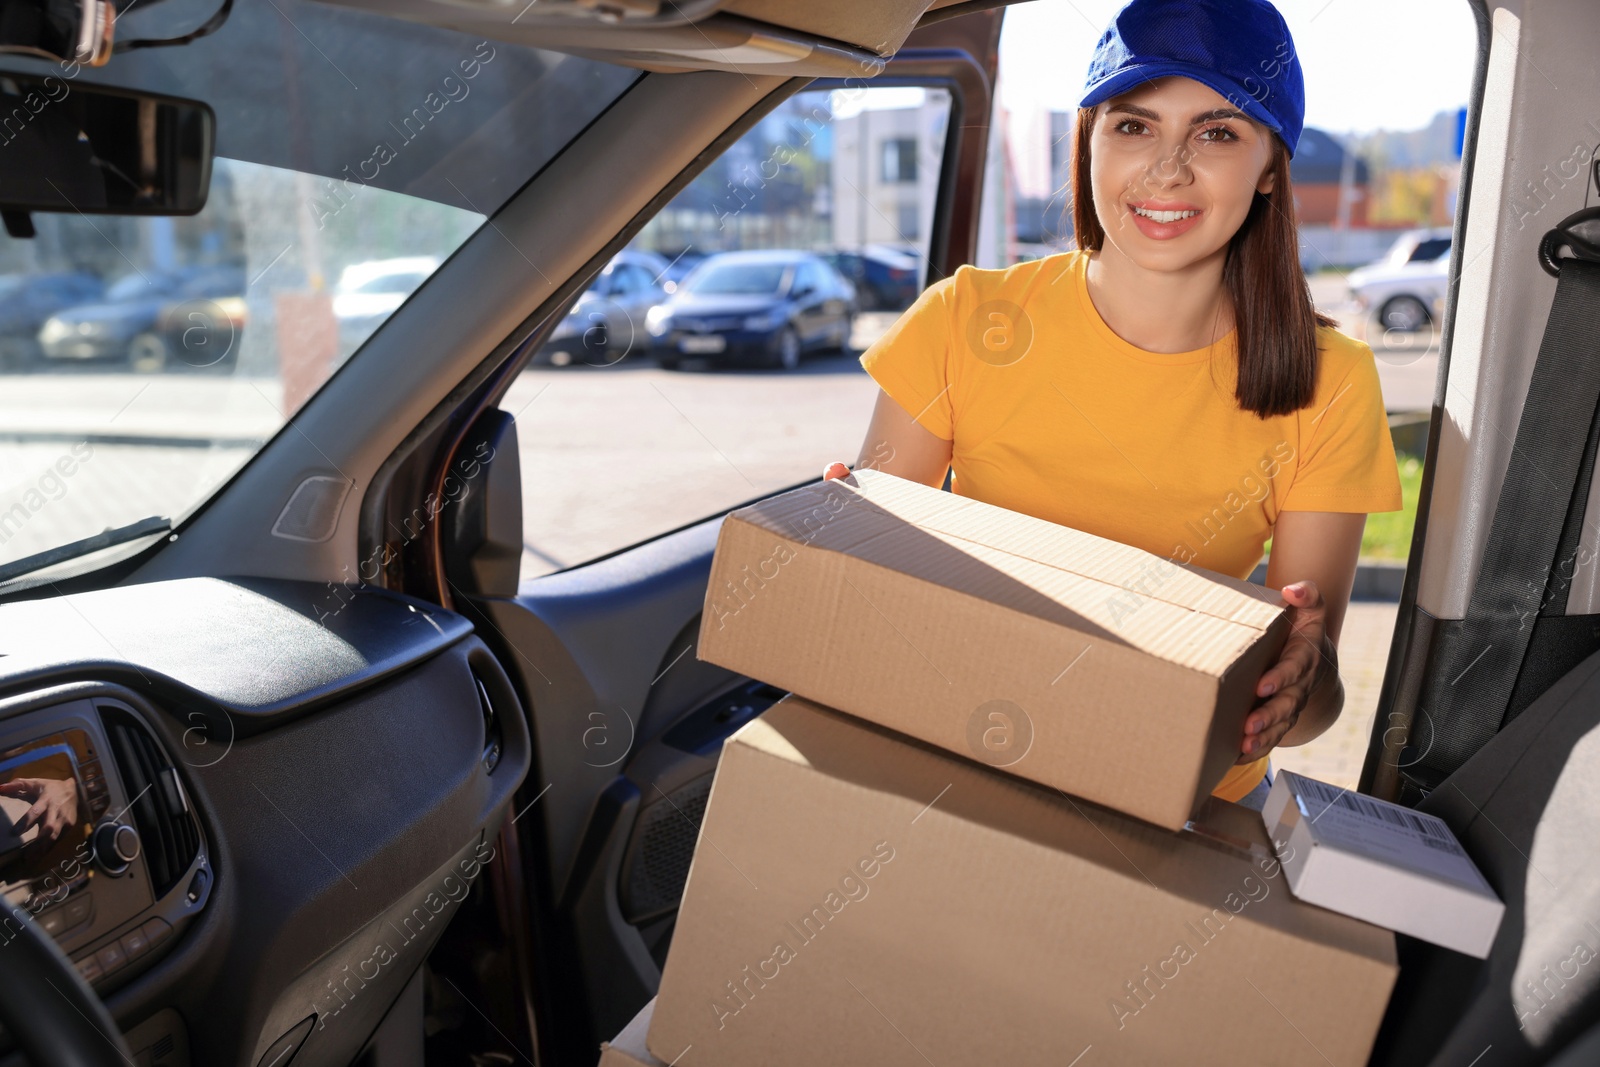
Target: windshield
(152,357)
(736,278)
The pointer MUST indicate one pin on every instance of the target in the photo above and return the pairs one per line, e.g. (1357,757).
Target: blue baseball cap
(1240,48)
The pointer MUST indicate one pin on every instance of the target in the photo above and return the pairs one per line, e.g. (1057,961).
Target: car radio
(98,841)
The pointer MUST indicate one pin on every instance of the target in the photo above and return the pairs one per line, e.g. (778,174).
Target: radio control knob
(115,846)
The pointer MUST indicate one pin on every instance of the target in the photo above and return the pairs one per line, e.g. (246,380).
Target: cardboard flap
(1088,605)
(1046,542)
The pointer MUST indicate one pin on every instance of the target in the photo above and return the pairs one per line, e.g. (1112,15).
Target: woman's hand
(55,805)
(1304,665)
(834,470)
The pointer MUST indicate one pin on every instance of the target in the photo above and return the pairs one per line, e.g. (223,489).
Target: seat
(1526,807)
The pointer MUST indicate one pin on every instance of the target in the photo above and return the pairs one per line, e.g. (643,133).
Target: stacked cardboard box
(870,899)
(1075,661)
(953,871)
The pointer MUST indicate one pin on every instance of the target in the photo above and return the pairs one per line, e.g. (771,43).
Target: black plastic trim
(1414,628)
(245,654)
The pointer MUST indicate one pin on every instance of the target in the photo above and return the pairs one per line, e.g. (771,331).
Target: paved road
(1408,364)
(81,452)
(1336,756)
(617,454)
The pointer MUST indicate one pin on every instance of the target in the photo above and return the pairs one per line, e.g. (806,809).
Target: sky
(1368,64)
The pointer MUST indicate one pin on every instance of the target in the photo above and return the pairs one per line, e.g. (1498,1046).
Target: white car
(367,293)
(1404,291)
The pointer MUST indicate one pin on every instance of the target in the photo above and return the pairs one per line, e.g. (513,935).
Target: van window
(696,413)
(143,361)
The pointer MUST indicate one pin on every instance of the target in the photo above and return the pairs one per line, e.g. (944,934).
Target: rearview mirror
(72,147)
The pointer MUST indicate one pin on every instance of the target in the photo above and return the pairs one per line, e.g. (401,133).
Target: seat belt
(1516,638)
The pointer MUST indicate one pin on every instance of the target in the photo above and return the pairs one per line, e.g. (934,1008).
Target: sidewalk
(1336,756)
(165,409)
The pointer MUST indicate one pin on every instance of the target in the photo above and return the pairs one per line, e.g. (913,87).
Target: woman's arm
(897,444)
(1319,548)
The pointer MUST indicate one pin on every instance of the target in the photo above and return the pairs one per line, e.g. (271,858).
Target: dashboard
(246,809)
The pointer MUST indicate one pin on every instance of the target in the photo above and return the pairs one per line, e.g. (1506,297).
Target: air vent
(492,739)
(169,838)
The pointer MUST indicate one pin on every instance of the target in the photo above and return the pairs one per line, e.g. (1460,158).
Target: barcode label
(1432,828)
(1339,822)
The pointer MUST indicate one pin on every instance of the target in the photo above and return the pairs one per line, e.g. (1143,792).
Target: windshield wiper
(105,539)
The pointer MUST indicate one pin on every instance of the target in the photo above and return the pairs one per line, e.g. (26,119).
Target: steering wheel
(47,1007)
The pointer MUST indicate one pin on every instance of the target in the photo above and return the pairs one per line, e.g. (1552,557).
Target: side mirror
(101,151)
(483,539)
(800,292)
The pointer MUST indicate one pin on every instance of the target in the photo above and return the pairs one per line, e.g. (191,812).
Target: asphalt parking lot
(610,456)
(618,453)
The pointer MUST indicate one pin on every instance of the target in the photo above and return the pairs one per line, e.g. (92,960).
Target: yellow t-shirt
(1050,413)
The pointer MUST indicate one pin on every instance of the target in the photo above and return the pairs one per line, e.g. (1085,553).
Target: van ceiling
(821,38)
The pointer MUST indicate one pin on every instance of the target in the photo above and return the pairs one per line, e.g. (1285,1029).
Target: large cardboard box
(1066,658)
(857,897)
(1381,862)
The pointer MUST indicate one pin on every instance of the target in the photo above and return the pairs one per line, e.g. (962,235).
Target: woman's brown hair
(1273,312)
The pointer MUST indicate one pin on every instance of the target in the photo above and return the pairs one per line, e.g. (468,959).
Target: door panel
(605,661)
(1495,316)
(627,722)
(596,646)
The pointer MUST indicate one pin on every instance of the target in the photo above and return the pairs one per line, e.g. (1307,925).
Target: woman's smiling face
(1178,150)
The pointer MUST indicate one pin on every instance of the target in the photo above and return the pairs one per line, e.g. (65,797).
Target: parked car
(762,307)
(197,332)
(27,300)
(608,321)
(679,266)
(1405,289)
(885,279)
(368,292)
(123,325)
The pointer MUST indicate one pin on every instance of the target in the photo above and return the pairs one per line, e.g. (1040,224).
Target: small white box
(1382,862)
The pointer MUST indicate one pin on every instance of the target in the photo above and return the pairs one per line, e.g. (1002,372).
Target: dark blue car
(27,300)
(885,279)
(762,309)
(122,325)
